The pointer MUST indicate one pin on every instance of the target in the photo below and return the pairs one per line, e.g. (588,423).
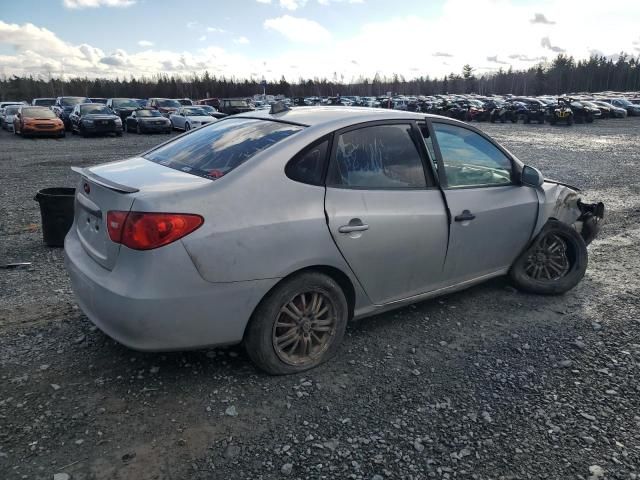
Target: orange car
(37,121)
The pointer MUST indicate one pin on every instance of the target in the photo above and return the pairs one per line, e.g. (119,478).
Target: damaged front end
(561,202)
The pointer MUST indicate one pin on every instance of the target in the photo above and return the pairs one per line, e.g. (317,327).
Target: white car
(8,115)
(186,118)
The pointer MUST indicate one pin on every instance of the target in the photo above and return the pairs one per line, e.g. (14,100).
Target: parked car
(98,100)
(530,109)
(147,120)
(186,118)
(583,113)
(232,106)
(40,121)
(123,107)
(65,105)
(212,111)
(631,108)
(611,110)
(8,114)
(94,118)
(43,102)
(3,106)
(275,229)
(165,106)
(214,102)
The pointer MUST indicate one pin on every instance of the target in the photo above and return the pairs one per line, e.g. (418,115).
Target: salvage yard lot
(487,383)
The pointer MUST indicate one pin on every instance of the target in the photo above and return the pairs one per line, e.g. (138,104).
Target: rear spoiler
(103,182)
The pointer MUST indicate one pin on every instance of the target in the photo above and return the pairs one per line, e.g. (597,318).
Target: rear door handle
(355,225)
(465,216)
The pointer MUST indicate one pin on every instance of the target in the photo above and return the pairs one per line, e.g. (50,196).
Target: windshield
(71,101)
(185,101)
(148,113)
(11,110)
(44,102)
(215,150)
(166,103)
(194,111)
(38,113)
(624,101)
(97,109)
(124,103)
(238,103)
(208,108)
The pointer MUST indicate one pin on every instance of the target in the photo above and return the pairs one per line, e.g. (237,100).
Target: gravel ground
(488,383)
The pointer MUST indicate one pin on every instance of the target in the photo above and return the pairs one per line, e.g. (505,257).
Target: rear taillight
(145,230)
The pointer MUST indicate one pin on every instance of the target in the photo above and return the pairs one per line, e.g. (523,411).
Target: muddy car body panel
(275,201)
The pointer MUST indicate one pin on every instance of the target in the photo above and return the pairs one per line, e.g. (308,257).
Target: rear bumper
(157,301)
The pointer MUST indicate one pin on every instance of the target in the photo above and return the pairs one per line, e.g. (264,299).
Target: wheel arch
(342,279)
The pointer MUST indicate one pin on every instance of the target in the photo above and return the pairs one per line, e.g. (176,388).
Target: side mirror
(531,177)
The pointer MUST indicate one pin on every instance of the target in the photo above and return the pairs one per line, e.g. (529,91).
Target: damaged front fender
(562,203)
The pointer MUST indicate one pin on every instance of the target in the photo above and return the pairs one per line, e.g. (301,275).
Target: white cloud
(264,1)
(215,30)
(241,40)
(78,4)
(145,43)
(297,29)
(292,4)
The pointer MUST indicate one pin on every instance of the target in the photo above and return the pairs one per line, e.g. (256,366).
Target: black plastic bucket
(56,208)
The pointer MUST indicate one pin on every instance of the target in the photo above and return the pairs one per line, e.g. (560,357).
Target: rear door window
(215,150)
(377,157)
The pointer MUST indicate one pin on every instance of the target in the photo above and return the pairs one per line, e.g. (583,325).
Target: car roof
(340,116)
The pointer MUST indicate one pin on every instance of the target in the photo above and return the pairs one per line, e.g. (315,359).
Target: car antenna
(278,107)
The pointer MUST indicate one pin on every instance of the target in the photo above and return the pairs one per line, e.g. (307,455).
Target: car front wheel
(298,325)
(555,262)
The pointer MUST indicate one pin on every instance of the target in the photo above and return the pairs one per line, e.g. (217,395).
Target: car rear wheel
(187,127)
(299,325)
(555,262)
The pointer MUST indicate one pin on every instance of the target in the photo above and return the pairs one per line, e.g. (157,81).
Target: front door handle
(355,225)
(465,216)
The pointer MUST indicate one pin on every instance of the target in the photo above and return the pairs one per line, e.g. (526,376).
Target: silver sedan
(275,228)
(186,118)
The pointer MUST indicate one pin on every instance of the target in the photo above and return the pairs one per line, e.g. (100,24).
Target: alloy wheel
(549,261)
(305,328)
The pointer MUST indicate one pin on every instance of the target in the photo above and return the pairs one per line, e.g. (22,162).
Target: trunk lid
(115,186)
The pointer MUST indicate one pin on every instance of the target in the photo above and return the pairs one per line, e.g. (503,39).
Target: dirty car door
(389,225)
(493,216)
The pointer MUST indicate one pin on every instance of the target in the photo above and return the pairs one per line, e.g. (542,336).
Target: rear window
(215,150)
(44,102)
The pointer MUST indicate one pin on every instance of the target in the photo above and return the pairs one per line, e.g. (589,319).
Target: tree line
(562,75)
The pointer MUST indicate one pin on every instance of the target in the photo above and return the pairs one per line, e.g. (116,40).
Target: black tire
(63,134)
(526,119)
(187,127)
(573,258)
(541,121)
(553,121)
(260,336)
(138,130)
(590,119)
(570,120)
